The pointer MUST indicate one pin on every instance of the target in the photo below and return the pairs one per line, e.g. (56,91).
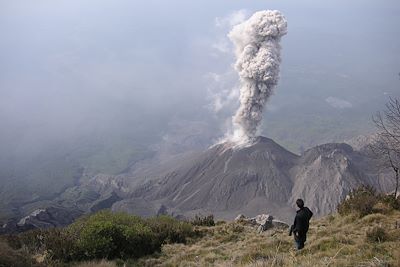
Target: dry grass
(102,263)
(15,258)
(332,241)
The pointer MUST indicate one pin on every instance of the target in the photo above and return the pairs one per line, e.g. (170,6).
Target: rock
(163,210)
(263,222)
(263,218)
(240,217)
(279,224)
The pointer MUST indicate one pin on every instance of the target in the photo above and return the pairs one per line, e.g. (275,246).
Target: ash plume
(257,49)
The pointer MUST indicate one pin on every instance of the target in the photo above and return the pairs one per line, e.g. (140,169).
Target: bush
(391,201)
(203,221)
(56,243)
(170,230)
(376,234)
(113,235)
(31,240)
(101,263)
(15,258)
(108,240)
(59,244)
(364,200)
(103,235)
(361,200)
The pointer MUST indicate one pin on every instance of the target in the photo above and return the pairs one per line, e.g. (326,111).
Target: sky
(71,70)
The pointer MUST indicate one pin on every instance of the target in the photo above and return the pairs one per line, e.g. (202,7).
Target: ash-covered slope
(257,178)
(227,180)
(325,174)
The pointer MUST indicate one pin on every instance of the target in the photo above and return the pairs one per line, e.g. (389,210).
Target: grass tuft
(376,234)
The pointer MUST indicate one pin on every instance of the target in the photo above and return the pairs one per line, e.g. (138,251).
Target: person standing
(301,224)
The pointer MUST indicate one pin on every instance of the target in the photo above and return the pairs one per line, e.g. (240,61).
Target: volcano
(258,177)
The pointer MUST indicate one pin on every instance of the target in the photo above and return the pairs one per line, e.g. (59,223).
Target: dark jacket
(301,221)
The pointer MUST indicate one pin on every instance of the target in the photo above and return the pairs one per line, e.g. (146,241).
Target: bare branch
(386,146)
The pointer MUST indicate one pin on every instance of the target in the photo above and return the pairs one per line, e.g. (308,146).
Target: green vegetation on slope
(101,235)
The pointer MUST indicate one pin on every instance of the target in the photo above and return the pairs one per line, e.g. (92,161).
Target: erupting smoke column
(257,50)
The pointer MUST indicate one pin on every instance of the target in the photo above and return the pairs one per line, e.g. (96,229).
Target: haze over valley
(104,103)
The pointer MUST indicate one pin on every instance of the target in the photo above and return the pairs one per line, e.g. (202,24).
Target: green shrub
(16,258)
(60,244)
(119,218)
(203,221)
(113,235)
(108,240)
(32,240)
(103,235)
(391,201)
(376,234)
(361,200)
(56,243)
(170,230)
(13,240)
(120,235)
(236,228)
(102,263)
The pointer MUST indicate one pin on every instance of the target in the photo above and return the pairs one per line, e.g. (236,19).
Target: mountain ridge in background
(263,177)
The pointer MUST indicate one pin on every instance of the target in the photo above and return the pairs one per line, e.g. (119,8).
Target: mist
(83,79)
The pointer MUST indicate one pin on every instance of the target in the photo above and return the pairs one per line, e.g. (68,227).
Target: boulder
(263,222)
(240,217)
(279,224)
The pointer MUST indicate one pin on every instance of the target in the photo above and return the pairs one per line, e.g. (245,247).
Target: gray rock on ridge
(361,142)
(42,218)
(263,222)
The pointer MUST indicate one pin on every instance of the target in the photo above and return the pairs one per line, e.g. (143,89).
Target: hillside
(224,180)
(332,241)
(365,231)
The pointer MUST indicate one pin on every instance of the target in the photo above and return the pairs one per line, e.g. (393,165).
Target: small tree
(387,142)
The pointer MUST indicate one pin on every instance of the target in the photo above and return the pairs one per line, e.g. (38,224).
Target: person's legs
(297,244)
(300,244)
(299,241)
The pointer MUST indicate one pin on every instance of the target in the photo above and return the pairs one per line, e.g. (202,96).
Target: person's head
(300,203)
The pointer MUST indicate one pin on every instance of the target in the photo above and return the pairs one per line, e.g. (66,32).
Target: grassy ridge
(332,241)
(365,232)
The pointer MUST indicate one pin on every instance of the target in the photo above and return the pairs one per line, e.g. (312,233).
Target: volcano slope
(260,177)
(227,180)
